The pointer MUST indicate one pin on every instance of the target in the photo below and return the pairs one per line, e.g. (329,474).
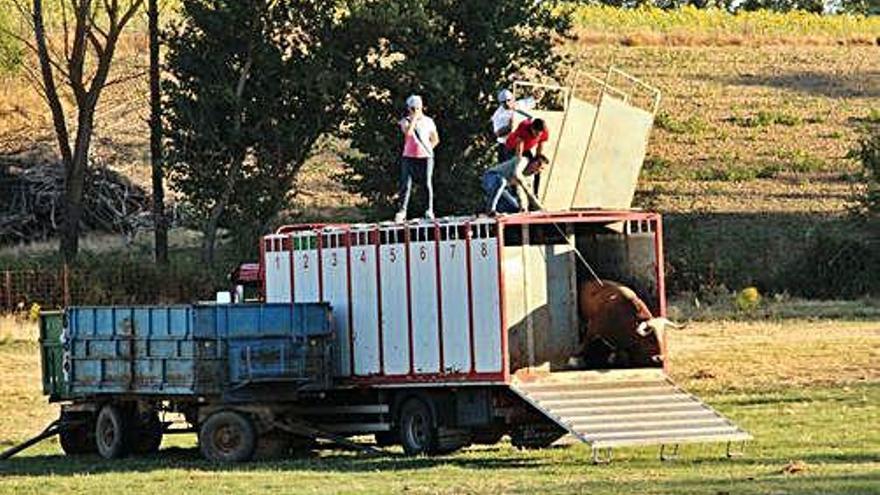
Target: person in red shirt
(530,134)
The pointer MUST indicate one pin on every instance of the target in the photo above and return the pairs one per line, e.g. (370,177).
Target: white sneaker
(400,217)
(429,214)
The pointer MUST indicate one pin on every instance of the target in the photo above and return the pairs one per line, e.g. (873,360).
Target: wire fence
(55,288)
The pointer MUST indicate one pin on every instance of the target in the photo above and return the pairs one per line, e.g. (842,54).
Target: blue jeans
(419,169)
(498,194)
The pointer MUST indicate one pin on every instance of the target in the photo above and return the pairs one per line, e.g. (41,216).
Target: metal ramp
(617,408)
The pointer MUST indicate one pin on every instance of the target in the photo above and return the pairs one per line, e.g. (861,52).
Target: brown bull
(620,332)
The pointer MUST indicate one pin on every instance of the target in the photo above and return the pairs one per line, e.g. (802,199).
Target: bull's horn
(662,323)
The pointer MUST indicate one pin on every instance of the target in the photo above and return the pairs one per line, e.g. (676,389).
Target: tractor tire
(111,432)
(147,436)
(416,430)
(79,437)
(227,436)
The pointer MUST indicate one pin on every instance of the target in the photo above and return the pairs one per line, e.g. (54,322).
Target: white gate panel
(485,301)
(423,301)
(335,274)
(305,268)
(395,318)
(277,273)
(364,305)
(455,303)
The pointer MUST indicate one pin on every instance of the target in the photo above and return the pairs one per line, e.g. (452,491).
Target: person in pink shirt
(420,137)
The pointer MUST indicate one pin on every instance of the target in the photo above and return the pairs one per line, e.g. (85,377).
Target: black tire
(147,436)
(227,436)
(78,436)
(111,432)
(416,429)
(386,438)
(273,445)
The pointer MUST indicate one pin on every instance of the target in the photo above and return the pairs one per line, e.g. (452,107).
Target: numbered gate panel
(335,276)
(306,273)
(364,302)
(455,308)
(485,298)
(424,300)
(277,268)
(395,317)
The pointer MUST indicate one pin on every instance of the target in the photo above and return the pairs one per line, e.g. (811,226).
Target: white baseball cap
(414,101)
(504,95)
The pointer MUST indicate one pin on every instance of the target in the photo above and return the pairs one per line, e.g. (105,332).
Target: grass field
(809,392)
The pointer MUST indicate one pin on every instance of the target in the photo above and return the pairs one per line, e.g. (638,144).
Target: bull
(620,332)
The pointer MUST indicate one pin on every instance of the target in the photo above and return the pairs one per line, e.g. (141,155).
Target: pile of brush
(31,201)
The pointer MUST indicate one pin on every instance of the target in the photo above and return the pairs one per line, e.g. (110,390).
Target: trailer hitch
(54,428)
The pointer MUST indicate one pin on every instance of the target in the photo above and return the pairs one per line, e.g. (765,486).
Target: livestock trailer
(432,335)
(475,320)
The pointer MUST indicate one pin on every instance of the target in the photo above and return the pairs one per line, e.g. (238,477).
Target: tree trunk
(159,220)
(74,183)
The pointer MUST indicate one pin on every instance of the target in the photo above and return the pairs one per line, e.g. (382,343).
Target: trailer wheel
(148,436)
(110,432)
(79,436)
(227,436)
(417,433)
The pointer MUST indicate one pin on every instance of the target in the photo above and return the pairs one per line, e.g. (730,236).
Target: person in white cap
(420,137)
(502,120)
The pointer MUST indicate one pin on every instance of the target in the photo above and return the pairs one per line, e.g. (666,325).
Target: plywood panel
(614,157)
(560,179)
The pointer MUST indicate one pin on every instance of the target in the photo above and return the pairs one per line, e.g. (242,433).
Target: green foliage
(457,55)
(656,167)
(730,173)
(690,125)
(766,118)
(252,86)
(868,153)
(11,51)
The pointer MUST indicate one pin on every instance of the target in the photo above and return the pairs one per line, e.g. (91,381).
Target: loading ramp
(617,408)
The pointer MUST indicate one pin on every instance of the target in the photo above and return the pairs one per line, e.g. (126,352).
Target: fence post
(8,278)
(65,287)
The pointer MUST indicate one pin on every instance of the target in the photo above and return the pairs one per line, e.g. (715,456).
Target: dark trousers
(498,195)
(420,170)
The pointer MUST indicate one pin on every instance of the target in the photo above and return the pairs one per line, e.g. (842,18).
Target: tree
(252,86)
(159,220)
(83,64)
(457,55)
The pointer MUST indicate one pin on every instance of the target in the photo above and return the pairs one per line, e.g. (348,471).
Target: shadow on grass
(318,461)
(340,462)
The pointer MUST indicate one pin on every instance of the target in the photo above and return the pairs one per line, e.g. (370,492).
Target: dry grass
(811,100)
(772,355)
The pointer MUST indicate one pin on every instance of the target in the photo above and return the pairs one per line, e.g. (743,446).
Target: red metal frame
(439,287)
(347,234)
(505,355)
(377,238)
(470,291)
(409,319)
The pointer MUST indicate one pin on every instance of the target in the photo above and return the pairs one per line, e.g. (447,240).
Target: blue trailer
(115,369)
